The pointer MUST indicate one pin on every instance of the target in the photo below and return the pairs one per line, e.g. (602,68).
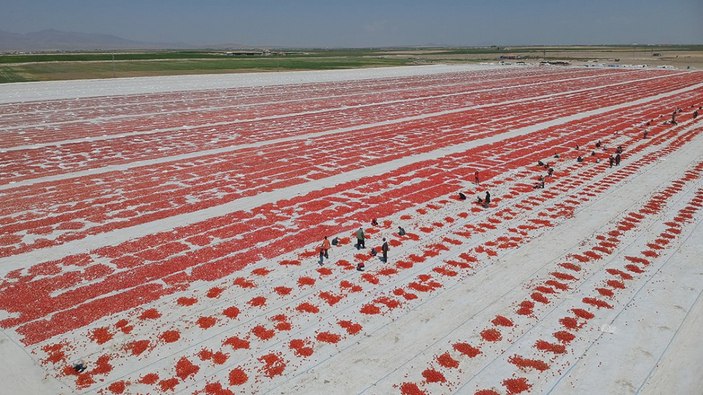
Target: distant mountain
(56,40)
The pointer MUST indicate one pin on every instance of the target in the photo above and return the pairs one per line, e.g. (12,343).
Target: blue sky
(367,23)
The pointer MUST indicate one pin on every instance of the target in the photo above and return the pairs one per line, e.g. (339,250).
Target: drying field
(165,232)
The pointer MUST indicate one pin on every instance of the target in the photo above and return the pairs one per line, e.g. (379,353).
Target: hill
(57,40)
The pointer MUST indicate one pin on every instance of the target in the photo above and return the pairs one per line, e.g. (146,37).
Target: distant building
(555,63)
(256,52)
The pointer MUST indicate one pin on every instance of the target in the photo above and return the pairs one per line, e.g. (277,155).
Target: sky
(367,23)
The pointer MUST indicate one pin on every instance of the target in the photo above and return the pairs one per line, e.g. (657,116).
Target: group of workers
(485,201)
(360,243)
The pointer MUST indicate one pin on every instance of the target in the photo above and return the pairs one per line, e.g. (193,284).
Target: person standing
(384,249)
(360,239)
(324,248)
(476,179)
(617,159)
(487,200)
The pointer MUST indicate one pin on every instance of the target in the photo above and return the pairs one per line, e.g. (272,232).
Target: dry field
(681,59)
